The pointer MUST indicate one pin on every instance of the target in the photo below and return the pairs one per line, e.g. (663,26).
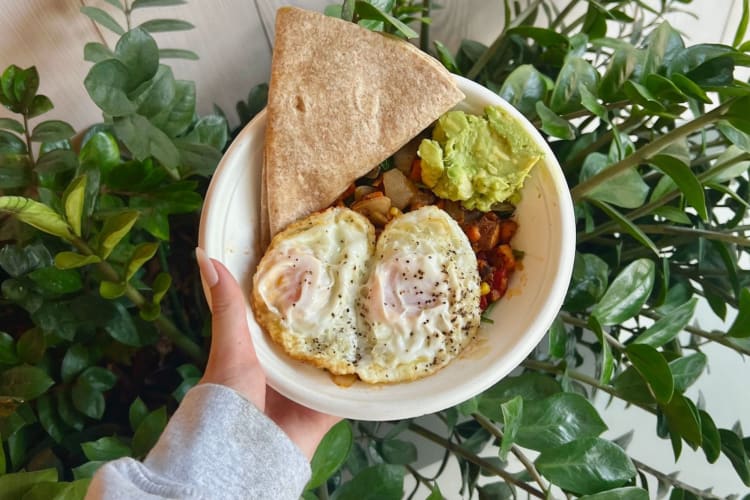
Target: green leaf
(12,125)
(138,4)
(685,180)
(144,140)
(732,447)
(512,422)
(40,104)
(627,189)
(95,52)
(654,369)
(122,328)
(148,431)
(668,327)
(13,486)
(178,54)
(530,386)
(554,125)
(56,161)
(524,87)
(210,130)
(586,466)
(711,438)
(197,159)
(31,346)
(330,454)
(178,118)
(627,293)
(557,420)
(138,52)
(397,452)
(136,413)
(76,359)
(545,37)
(683,419)
(588,283)
(106,448)
(159,93)
(25,382)
(111,289)
(36,215)
(445,57)
(687,369)
(690,88)
(663,45)
(741,325)
(11,143)
(625,493)
(87,470)
(366,10)
(87,401)
(7,350)
(101,152)
(115,228)
(52,131)
(98,15)
(619,69)
(607,364)
(160,286)
(16,176)
(142,253)
(107,85)
(72,260)
(163,25)
(73,199)
(98,378)
(575,73)
(739,35)
(377,482)
(558,339)
(56,281)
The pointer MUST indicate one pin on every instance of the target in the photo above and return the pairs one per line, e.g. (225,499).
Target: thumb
(232,360)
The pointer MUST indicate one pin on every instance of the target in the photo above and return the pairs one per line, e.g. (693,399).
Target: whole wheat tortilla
(341,100)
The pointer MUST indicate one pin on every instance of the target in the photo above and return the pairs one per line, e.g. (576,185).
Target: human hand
(232,361)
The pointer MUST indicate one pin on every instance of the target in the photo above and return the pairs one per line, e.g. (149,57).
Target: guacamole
(478,160)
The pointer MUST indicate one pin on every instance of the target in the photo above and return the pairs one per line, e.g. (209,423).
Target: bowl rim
(476,96)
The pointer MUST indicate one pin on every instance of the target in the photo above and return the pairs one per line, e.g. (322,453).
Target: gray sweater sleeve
(217,445)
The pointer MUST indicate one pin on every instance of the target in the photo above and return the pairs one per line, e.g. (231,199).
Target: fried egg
(393,311)
(421,301)
(306,286)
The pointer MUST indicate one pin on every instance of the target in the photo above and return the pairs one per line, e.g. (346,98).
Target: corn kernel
(485,288)
(394,211)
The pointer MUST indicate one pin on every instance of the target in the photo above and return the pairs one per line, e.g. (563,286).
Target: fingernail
(208,272)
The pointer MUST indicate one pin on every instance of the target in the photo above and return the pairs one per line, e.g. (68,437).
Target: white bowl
(546,235)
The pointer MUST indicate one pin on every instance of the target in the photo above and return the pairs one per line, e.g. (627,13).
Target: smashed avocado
(478,160)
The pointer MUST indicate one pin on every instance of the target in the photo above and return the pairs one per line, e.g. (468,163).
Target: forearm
(217,445)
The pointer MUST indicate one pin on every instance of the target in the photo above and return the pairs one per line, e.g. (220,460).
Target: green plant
(653,139)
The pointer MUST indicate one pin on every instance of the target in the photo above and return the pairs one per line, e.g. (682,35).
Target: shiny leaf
(627,293)
(654,369)
(330,454)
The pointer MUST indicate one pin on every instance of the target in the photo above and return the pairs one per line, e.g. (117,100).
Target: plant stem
(528,465)
(424,28)
(127,10)
(166,326)
(572,320)
(27,135)
(632,122)
(591,381)
(703,233)
(646,152)
(500,42)
(674,482)
(563,14)
(714,337)
(323,492)
(467,455)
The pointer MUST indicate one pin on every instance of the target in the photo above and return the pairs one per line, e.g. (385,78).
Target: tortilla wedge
(341,100)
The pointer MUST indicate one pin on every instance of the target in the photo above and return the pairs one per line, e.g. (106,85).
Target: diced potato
(398,188)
